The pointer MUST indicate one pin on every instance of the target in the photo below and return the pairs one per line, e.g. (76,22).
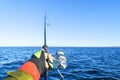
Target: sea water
(83,63)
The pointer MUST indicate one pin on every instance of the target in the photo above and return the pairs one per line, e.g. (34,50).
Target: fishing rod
(60,59)
(45,47)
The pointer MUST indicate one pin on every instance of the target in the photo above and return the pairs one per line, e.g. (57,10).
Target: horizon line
(60,46)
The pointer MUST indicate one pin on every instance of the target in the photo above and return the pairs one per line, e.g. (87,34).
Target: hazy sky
(73,22)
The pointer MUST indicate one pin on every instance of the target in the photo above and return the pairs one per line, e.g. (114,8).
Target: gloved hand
(42,60)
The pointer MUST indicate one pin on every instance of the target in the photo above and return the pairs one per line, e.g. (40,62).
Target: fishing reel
(61,63)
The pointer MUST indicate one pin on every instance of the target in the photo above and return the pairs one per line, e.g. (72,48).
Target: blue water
(83,63)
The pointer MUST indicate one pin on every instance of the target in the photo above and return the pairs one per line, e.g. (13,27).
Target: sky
(80,23)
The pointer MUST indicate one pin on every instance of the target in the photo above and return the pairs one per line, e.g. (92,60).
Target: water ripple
(83,63)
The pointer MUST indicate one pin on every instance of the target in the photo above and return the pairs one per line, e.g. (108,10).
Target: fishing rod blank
(45,46)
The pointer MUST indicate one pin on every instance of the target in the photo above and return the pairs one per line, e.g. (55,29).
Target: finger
(51,58)
(46,55)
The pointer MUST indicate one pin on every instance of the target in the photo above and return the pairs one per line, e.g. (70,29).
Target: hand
(39,59)
(51,59)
